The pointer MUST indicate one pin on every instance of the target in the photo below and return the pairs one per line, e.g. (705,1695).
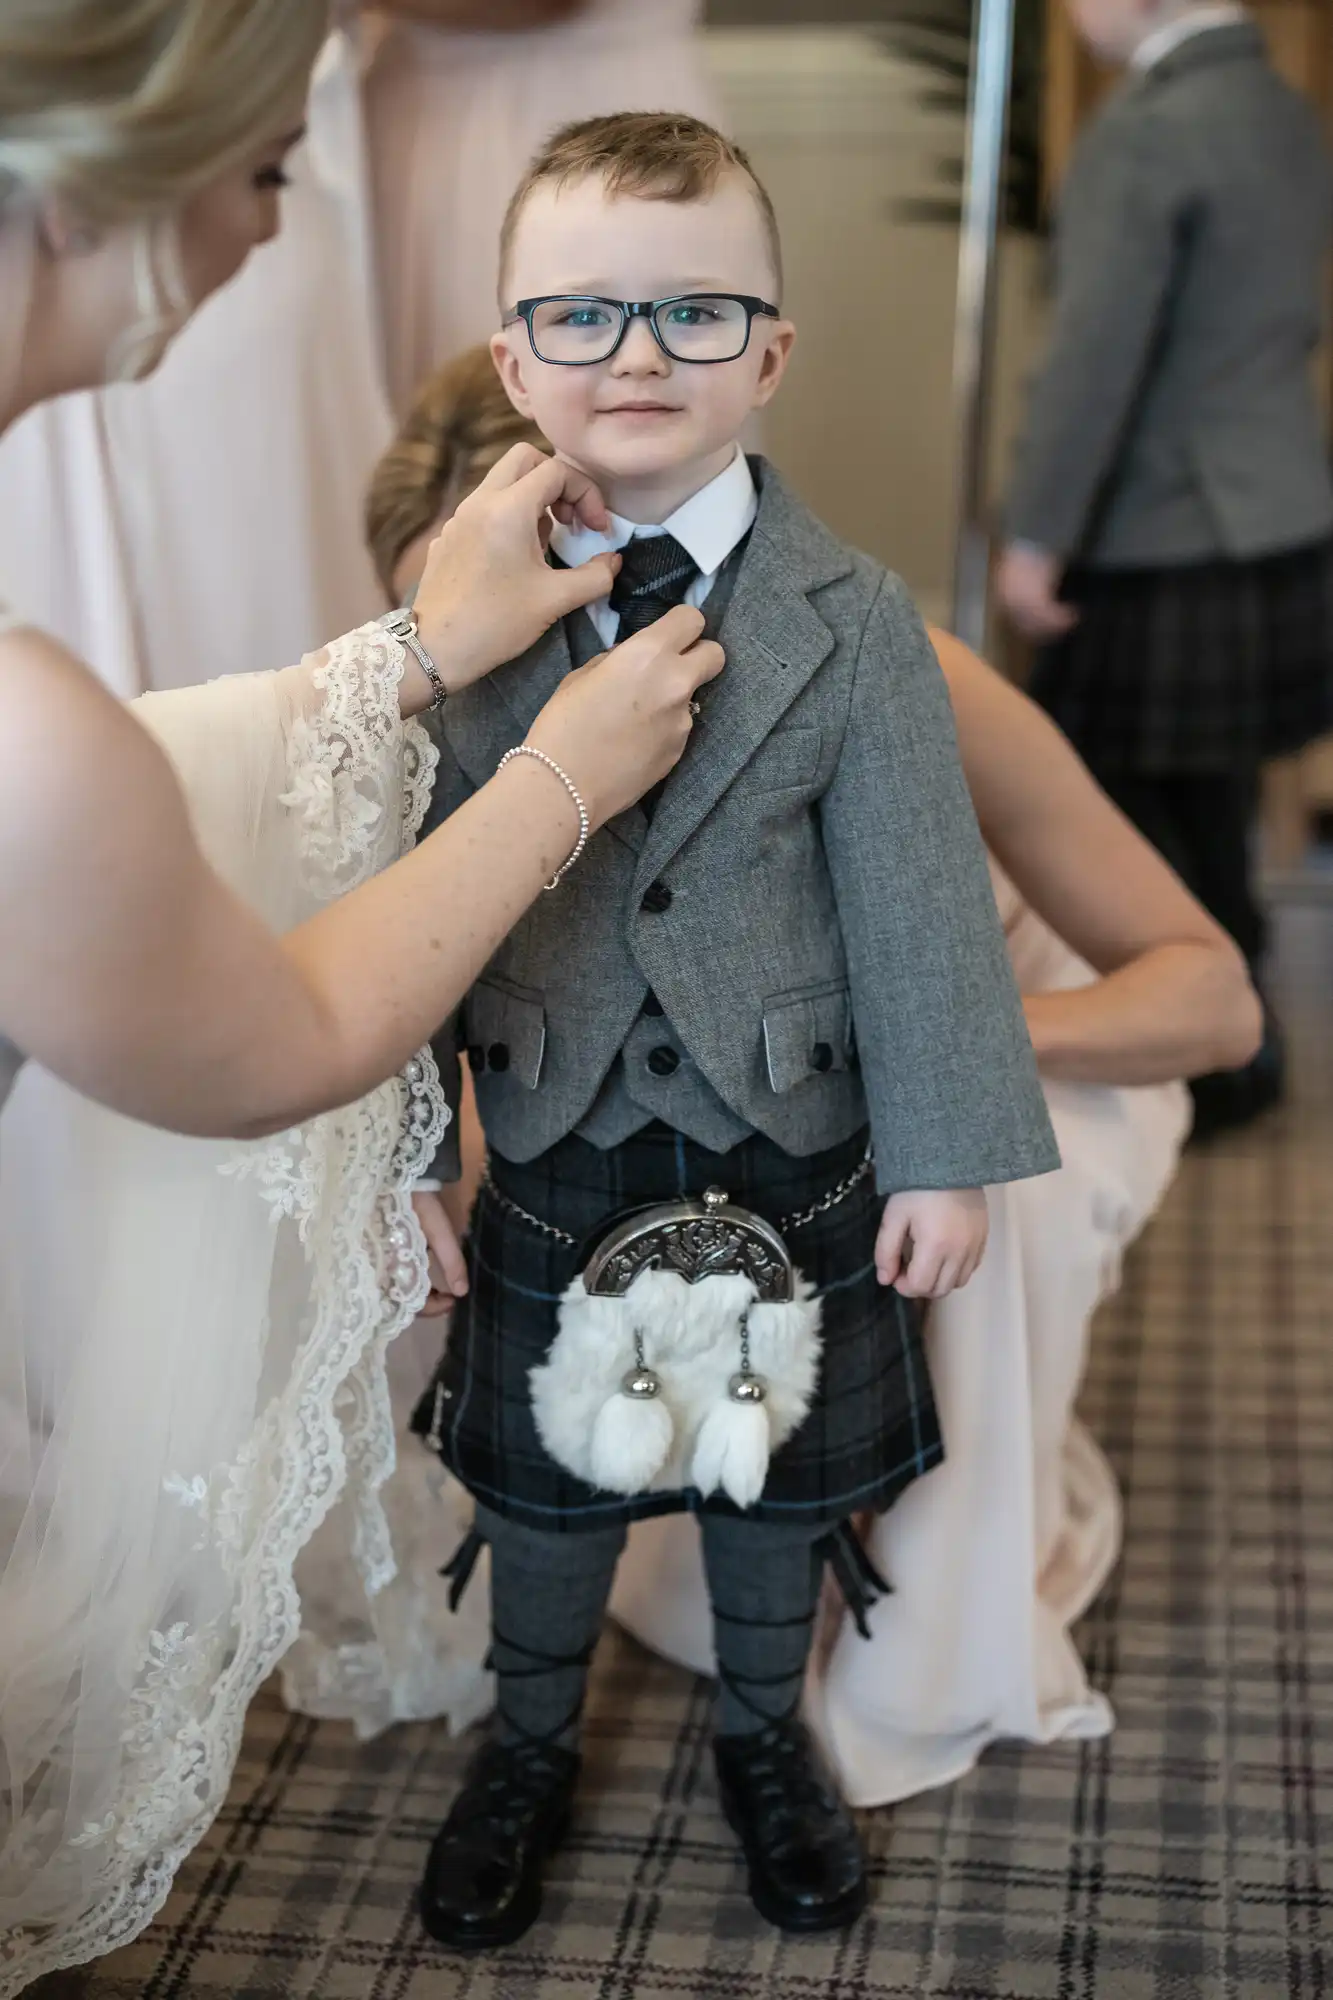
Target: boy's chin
(641,459)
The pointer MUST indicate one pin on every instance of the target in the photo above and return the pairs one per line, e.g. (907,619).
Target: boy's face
(1113,29)
(641,418)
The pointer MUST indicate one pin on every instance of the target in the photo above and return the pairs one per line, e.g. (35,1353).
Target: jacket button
(821,1058)
(664,1062)
(476,1060)
(497,1056)
(653,1008)
(657,899)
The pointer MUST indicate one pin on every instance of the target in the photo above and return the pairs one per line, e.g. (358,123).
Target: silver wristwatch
(403,625)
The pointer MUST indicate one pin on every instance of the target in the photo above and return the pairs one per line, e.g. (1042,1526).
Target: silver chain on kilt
(833,1199)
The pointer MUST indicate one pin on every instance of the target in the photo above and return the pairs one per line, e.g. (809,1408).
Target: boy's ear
(781,340)
(509,369)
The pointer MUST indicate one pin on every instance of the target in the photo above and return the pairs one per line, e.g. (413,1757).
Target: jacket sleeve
(949,1073)
(451,790)
(1119,234)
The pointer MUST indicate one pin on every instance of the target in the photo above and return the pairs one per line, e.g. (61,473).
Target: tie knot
(656,572)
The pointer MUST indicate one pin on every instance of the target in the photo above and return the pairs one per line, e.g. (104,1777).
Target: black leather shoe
(807,1867)
(483,1883)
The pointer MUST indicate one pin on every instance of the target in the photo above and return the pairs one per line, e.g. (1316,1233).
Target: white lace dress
(192,1354)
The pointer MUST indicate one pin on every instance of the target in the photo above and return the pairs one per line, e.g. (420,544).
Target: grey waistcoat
(634,1093)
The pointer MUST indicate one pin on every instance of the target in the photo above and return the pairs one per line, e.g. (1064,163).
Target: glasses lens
(703,328)
(574,330)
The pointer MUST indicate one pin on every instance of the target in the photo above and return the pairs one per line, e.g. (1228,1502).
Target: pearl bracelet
(585,823)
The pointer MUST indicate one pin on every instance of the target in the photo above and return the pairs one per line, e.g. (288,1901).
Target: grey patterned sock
(764,1583)
(548,1601)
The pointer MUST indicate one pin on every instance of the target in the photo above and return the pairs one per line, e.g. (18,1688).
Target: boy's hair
(658,155)
(460,426)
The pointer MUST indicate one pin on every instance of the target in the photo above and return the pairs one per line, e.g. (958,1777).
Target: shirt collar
(708,526)
(1164,41)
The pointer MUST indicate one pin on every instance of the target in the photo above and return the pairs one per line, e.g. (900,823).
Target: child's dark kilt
(872,1428)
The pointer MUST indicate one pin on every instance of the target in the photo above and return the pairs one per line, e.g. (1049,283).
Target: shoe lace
(509,1784)
(785,1782)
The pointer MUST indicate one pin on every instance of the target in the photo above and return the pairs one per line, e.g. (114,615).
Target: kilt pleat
(872,1428)
(1210,667)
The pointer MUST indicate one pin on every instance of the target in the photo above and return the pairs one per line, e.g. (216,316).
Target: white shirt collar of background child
(1164,41)
(708,527)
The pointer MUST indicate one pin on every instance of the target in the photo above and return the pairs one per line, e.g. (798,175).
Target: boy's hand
(931,1243)
(448,1266)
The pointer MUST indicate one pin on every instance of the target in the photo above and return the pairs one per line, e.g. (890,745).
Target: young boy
(794,942)
(1171,518)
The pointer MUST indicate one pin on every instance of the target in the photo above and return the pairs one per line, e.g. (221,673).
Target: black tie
(655,573)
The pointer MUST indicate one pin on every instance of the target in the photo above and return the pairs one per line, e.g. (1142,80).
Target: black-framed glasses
(702,327)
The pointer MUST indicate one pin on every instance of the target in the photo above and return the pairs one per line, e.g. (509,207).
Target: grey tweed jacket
(810,903)
(1175,419)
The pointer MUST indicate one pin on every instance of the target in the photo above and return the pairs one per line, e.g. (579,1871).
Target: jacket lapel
(775,641)
(502,709)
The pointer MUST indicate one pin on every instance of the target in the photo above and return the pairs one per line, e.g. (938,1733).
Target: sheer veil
(193,1342)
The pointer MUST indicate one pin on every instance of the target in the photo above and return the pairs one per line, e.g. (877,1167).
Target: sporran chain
(833,1199)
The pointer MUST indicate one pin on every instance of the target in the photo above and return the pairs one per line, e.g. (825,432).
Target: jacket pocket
(808,1032)
(788,760)
(506,1029)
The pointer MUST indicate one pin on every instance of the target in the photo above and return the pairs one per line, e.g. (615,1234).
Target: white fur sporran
(687,1353)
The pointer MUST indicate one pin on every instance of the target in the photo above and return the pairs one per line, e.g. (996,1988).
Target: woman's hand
(1028,586)
(488,592)
(448,1266)
(621,723)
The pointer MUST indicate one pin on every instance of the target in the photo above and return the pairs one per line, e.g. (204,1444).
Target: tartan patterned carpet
(1191,1854)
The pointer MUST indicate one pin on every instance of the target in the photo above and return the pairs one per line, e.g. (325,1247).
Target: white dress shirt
(708,527)
(1164,41)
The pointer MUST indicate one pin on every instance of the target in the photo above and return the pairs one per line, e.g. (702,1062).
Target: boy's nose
(639,353)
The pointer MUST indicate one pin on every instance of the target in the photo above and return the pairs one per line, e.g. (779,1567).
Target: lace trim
(359,783)
(359,778)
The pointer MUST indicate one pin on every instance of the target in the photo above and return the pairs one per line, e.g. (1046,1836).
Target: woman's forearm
(376,992)
(1181,1010)
(132,972)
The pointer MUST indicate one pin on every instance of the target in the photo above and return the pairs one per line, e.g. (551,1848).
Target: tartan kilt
(872,1428)
(1208,667)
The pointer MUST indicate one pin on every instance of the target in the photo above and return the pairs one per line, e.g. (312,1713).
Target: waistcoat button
(821,1058)
(657,899)
(664,1062)
(497,1056)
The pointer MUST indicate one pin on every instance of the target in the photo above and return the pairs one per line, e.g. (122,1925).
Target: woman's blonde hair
(459,428)
(126,108)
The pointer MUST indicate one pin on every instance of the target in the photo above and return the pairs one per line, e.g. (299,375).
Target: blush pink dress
(453,119)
